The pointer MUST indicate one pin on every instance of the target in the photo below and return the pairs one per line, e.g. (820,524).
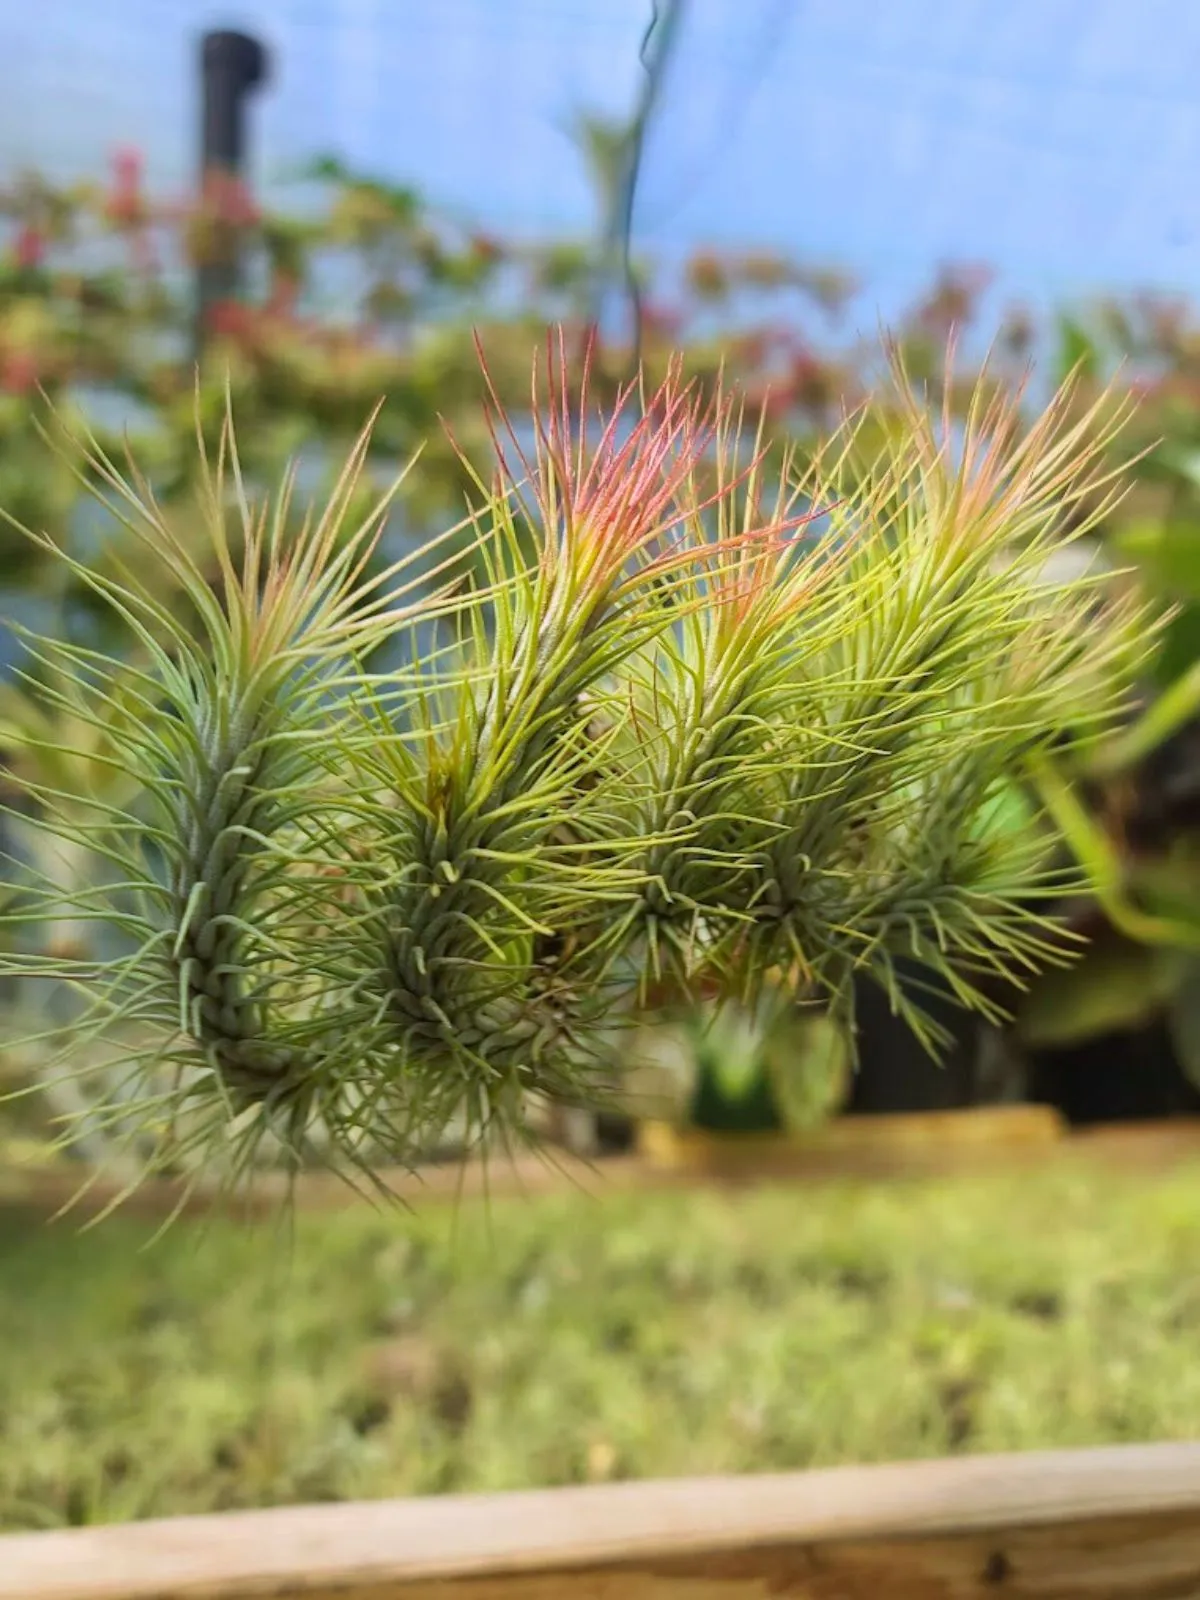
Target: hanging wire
(761,30)
(615,269)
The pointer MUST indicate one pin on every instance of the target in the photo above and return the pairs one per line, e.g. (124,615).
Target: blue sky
(1058,140)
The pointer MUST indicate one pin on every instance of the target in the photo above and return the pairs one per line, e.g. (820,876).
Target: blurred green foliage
(560,1340)
(365,292)
(1131,809)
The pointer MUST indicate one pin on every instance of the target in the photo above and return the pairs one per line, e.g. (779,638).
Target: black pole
(232,66)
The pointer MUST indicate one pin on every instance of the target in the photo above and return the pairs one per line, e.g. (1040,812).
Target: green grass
(554,1341)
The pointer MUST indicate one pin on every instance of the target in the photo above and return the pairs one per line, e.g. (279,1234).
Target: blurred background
(322,201)
(1052,143)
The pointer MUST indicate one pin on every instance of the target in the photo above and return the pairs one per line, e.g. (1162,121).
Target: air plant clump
(682,724)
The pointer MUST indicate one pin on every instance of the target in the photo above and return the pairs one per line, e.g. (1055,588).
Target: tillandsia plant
(680,727)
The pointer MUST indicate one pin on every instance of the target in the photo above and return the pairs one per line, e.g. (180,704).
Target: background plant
(1129,807)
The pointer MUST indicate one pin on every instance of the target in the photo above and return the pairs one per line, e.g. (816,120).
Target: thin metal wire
(726,113)
(615,265)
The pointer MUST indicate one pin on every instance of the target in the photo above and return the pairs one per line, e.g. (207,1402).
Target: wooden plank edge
(395,1546)
(868,1156)
(74,1193)
(929,1136)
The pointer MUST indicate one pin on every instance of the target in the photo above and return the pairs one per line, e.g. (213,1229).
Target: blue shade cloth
(1057,140)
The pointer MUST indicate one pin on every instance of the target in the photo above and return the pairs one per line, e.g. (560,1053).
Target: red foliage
(231,319)
(707,275)
(810,380)
(126,207)
(124,203)
(763,270)
(751,349)
(485,248)
(283,294)
(29,247)
(19,372)
(954,298)
(772,400)
(661,322)
(225,199)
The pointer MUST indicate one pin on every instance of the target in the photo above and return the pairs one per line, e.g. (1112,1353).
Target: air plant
(677,727)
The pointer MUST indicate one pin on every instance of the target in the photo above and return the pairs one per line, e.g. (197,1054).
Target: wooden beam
(866,1149)
(1122,1524)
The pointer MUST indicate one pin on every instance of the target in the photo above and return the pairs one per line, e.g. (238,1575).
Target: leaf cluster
(688,718)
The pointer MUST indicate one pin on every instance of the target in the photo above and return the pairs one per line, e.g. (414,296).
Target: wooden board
(868,1149)
(891,1142)
(1118,1524)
